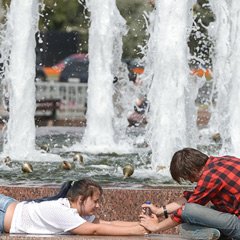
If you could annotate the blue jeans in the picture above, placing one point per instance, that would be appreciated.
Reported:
(200, 216)
(4, 203)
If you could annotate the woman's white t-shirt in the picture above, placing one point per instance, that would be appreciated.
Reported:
(47, 217)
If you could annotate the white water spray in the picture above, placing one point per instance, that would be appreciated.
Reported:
(168, 53)
(222, 70)
(19, 45)
(235, 63)
(225, 118)
(105, 50)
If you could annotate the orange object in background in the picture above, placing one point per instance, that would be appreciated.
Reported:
(198, 72)
(55, 70)
(207, 73)
(138, 70)
(52, 71)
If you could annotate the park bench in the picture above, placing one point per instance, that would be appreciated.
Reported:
(46, 109)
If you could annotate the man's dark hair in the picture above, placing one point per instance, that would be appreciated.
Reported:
(187, 163)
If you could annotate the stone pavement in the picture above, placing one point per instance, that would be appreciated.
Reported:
(77, 237)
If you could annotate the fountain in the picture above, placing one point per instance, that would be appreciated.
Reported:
(63, 143)
(104, 152)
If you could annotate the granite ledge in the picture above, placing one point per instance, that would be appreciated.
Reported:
(115, 204)
(75, 237)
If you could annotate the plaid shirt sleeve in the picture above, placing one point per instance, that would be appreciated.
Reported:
(206, 189)
(187, 194)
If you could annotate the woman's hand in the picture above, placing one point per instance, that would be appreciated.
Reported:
(142, 230)
(149, 222)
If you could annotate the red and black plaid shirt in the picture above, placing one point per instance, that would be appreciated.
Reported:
(220, 184)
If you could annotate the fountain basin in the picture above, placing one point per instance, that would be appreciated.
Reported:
(105, 168)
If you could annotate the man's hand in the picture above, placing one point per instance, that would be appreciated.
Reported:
(149, 222)
(154, 209)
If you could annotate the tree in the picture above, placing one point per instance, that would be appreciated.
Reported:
(72, 15)
(200, 43)
(133, 12)
(66, 15)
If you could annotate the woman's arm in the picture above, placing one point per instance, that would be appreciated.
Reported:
(108, 229)
(119, 223)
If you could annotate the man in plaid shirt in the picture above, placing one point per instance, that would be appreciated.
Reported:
(218, 185)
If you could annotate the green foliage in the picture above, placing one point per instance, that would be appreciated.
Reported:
(66, 15)
(200, 43)
(72, 15)
(5, 2)
(69, 15)
(61, 15)
(133, 12)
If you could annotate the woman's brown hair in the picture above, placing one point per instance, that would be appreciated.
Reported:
(73, 189)
(186, 164)
(84, 187)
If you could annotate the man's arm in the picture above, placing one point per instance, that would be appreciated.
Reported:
(171, 207)
(152, 224)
